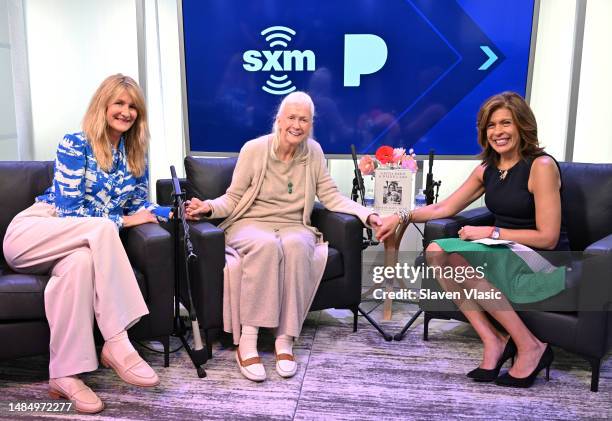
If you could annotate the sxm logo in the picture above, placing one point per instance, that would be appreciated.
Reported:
(278, 60)
(364, 54)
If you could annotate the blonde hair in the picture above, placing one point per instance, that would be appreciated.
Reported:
(300, 98)
(95, 125)
(523, 118)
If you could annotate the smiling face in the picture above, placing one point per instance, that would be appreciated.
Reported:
(502, 132)
(294, 124)
(121, 114)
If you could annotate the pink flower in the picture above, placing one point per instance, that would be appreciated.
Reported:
(408, 162)
(367, 165)
(398, 154)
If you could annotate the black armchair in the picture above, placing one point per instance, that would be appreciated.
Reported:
(340, 287)
(23, 327)
(587, 215)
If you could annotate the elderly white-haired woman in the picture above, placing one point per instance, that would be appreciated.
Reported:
(275, 257)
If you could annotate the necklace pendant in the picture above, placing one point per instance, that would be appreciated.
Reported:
(503, 174)
(290, 187)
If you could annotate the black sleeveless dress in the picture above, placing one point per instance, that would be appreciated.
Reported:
(523, 274)
(511, 202)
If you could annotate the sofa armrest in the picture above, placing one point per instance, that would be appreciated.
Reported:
(344, 233)
(448, 227)
(341, 230)
(146, 244)
(595, 304)
(151, 251)
(207, 273)
(600, 247)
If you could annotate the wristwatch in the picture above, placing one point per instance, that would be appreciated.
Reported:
(495, 233)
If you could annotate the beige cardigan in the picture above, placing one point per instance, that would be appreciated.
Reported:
(249, 175)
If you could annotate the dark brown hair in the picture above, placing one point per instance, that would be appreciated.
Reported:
(523, 119)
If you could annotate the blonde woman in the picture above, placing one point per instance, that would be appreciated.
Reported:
(72, 233)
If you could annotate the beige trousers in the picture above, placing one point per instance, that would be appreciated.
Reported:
(271, 276)
(91, 276)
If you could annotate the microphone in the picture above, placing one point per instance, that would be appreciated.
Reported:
(358, 176)
(429, 184)
(358, 185)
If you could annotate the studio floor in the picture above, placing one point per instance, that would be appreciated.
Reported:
(342, 375)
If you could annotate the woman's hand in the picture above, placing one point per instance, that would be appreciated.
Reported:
(195, 208)
(387, 228)
(470, 232)
(374, 221)
(141, 217)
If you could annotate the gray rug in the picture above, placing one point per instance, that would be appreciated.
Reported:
(342, 375)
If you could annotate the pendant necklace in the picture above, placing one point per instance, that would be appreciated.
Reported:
(503, 174)
(290, 187)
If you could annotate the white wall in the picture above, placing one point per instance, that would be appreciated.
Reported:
(593, 134)
(164, 89)
(552, 72)
(8, 127)
(72, 46)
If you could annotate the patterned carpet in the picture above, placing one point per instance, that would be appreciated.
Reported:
(342, 375)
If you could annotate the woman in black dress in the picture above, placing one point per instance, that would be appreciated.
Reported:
(522, 188)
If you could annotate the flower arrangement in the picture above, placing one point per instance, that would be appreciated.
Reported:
(388, 158)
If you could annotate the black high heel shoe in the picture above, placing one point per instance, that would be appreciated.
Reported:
(545, 361)
(488, 375)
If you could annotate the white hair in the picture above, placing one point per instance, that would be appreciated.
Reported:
(301, 98)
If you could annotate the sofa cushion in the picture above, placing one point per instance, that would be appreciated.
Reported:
(22, 296)
(586, 202)
(20, 183)
(208, 178)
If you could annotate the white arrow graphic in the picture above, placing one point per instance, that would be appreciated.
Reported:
(492, 57)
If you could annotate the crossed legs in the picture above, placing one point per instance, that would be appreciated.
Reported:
(91, 277)
(530, 348)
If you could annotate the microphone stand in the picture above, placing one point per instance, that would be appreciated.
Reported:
(199, 355)
(430, 197)
(359, 189)
(430, 184)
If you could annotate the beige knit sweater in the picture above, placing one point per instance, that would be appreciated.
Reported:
(249, 175)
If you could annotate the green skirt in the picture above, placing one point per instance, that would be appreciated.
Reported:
(513, 272)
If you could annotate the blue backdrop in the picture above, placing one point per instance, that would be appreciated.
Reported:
(423, 68)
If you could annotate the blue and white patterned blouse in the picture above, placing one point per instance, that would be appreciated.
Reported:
(81, 188)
